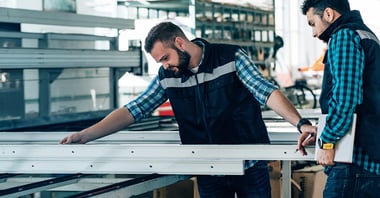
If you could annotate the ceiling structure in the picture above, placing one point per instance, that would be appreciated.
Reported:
(182, 5)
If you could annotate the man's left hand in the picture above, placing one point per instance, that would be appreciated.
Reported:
(326, 157)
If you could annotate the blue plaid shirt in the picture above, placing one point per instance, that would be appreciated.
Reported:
(346, 59)
(246, 71)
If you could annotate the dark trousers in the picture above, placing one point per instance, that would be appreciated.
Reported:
(254, 183)
(348, 180)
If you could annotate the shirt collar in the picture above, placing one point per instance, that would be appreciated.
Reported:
(350, 17)
(191, 72)
(202, 45)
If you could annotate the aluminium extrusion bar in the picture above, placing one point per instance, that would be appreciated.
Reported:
(40, 186)
(57, 58)
(101, 160)
(120, 137)
(123, 137)
(6, 176)
(12, 15)
(162, 158)
(140, 158)
(285, 152)
(90, 187)
(26, 35)
(305, 113)
(56, 36)
(279, 133)
(132, 187)
(83, 184)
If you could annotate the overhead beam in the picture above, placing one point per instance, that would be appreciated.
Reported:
(64, 58)
(12, 15)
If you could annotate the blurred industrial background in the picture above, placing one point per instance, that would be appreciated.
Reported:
(65, 64)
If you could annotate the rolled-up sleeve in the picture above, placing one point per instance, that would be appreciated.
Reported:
(148, 101)
(252, 78)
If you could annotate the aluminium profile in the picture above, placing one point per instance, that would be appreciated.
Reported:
(140, 158)
(66, 58)
(12, 15)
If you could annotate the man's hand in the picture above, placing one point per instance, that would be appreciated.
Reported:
(75, 138)
(307, 137)
(325, 157)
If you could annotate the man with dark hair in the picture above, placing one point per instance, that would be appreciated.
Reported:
(351, 84)
(215, 91)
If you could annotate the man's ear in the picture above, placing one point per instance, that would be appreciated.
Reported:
(179, 43)
(330, 15)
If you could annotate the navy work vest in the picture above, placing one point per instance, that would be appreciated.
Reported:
(212, 106)
(368, 120)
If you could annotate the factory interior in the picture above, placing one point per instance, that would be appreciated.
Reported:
(67, 64)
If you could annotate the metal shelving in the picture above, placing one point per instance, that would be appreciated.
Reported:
(47, 76)
(252, 28)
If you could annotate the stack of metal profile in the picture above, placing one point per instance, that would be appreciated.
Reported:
(158, 155)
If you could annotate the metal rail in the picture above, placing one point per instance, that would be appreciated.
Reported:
(142, 152)
(64, 58)
(140, 158)
(87, 185)
(12, 15)
(40, 186)
(132, 187)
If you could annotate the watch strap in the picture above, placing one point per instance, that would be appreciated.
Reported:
(302, 122)
(325, 146)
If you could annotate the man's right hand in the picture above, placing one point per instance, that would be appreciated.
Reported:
(308, 137)
(75, 138)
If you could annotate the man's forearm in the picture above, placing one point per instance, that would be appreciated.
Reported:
(115, 121)
(281, 105)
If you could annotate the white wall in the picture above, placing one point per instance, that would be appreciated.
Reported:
(8, 3)
(300, 48)
(369, 9)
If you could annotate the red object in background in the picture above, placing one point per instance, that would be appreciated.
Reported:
(165, 109)
(317, 66)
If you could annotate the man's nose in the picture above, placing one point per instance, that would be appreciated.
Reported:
(314, 34)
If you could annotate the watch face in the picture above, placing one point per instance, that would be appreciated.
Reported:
(320, 143)
(325, 146)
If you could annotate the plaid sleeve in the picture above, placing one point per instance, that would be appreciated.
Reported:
(252, 78)
(346, 60)
(148, 101)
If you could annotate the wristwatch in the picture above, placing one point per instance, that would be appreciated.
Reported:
(302, 122)
(325, 146)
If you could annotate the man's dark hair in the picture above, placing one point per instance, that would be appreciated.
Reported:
(341, 6)
(164, 32)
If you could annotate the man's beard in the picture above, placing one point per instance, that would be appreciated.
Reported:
(183, 61)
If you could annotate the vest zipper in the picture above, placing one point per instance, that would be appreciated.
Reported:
(203, 110)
